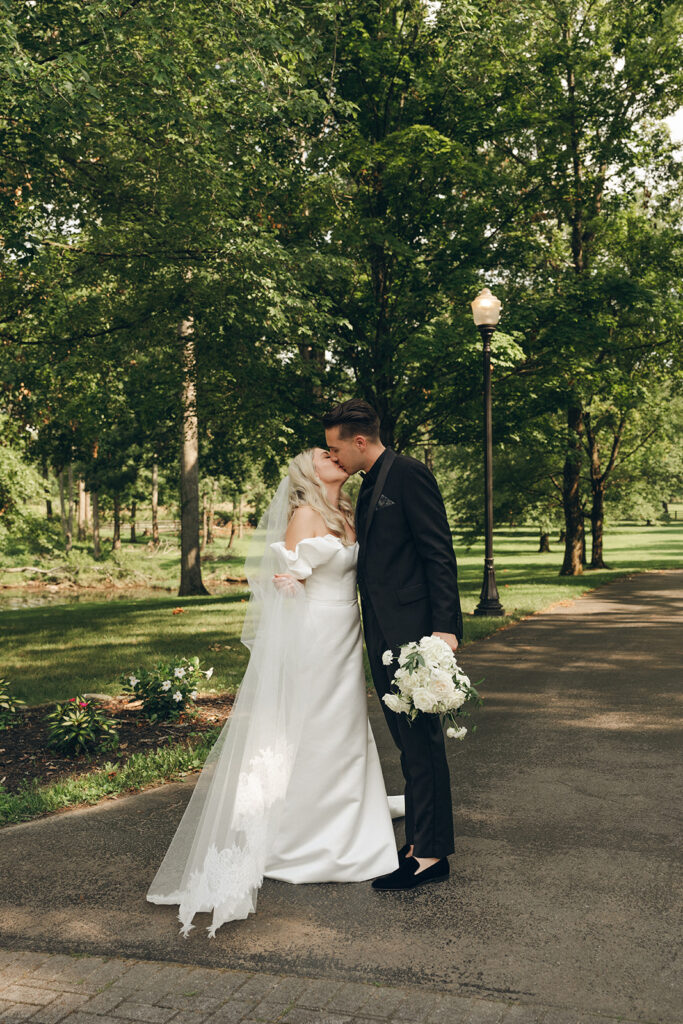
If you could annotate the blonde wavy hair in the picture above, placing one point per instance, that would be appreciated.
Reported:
(306, 488)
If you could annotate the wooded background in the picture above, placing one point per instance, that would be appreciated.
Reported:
(217, 219)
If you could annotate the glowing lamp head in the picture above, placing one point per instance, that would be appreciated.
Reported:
(486, 309)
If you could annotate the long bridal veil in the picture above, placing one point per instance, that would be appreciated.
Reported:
(215, 862)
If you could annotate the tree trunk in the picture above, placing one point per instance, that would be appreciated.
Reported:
(544, 542)
(62, 502)
(81, 509)
(232, 524)
(571, 495)
(239, 519)
(597, 524)
(212, 503)
(429, 456)
(95, 524)
(190, 562)
(116, 542)
(48, 501)
(63, 513)
(70, 495)
(205, 520)
(133, 513)
(155, 503)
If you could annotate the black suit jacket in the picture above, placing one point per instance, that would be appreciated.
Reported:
(406, 564)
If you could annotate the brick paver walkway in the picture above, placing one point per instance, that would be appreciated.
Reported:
(54, 988)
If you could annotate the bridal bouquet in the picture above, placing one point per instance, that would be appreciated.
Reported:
(430, 680)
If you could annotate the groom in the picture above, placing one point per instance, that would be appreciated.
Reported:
(407, 577)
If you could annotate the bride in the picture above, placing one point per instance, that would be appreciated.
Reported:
(293, 787)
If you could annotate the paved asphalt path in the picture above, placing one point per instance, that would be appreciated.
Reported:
(564, 888)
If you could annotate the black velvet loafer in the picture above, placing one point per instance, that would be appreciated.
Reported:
(403, 852)
(405, 877)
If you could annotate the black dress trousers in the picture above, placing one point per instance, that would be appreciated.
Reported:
(429, 810)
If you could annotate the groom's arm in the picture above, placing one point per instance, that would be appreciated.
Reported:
(426, 514)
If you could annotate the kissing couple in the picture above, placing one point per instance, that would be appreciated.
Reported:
(293, 787)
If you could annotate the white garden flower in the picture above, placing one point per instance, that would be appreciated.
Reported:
(421, 676)
(133, 680)
(166, 685)
(441, 684)
(387, 658)
(456, 734)
(404, 681)
(406, 651)
(456, 700)
(423, 699)
(179, 673)
(393, 702)
(208, 673)
(177, 695)
(194, 695)
(434, 646)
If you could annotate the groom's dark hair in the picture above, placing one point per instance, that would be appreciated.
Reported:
(353, 417)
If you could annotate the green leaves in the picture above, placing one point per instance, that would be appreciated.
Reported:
(77, 726)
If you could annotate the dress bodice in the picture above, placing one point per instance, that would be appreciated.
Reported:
(327, 565)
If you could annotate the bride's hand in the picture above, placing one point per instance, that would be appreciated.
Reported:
(287, 583)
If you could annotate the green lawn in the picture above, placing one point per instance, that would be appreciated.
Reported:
(56, 650)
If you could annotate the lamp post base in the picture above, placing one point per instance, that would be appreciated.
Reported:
(489, 603)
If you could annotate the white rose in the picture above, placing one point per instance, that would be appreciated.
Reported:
(177, 695)
(438, 652)
(421, 676)
(441, 685)
(457, 700)
(387, 658)
(394, 702)
(404, 681)
(208, 673)
(406, 651)
(166, 685)
(423, 699)
(179, 673)
(461, 676)
(456, 734)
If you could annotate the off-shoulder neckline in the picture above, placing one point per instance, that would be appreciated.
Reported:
(332, 536)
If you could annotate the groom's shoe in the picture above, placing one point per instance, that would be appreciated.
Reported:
(405, 877)
(403, 852)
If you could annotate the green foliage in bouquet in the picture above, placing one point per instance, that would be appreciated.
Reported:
(168, 689)
(78, 726)
(9, 705)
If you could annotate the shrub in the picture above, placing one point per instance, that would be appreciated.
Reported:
(168, 689)
(78, 726)
(9, 705)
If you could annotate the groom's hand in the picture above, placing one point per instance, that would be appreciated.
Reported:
(450, 638)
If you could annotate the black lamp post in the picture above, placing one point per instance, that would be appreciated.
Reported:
(486, 313)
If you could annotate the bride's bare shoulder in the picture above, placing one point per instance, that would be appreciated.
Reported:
(304, 522)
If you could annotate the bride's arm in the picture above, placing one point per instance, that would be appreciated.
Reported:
(305, 522)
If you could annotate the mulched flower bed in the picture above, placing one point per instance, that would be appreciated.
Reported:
(25, 756)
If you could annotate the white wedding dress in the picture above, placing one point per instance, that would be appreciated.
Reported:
(336, 821)
(293, 787)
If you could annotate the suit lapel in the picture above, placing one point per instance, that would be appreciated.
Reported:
(387, 461)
